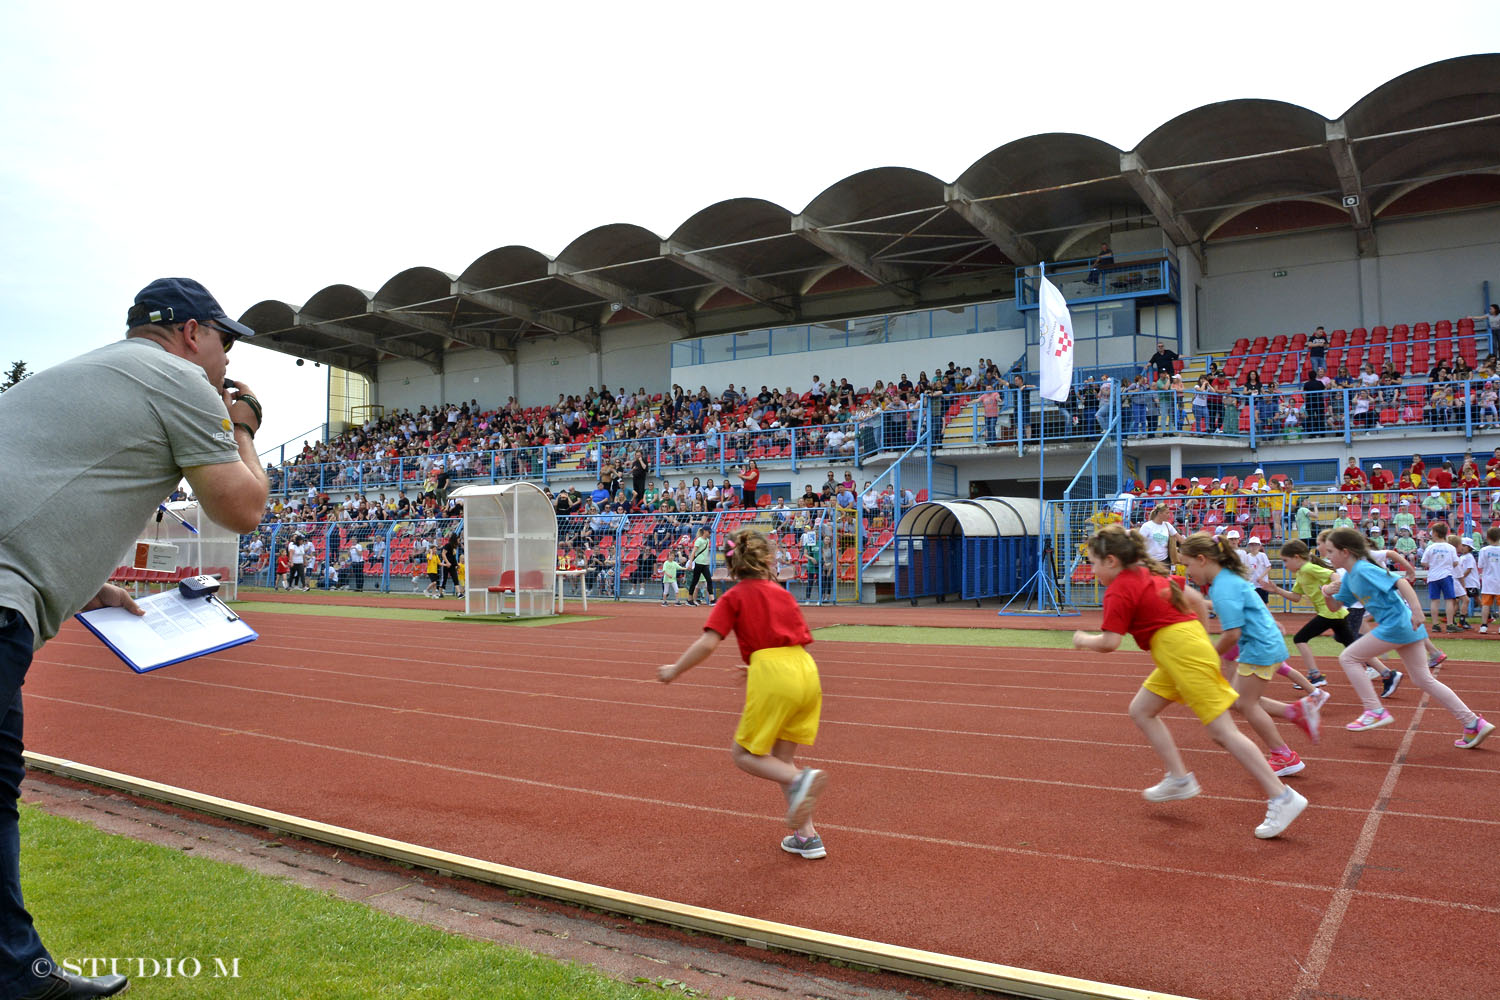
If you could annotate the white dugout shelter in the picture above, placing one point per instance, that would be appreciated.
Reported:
(203, 546)
(510, 548)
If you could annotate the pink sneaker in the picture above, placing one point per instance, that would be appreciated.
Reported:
(1371, 720)
(1306, 717)
(1285, 764)
(1472, 737)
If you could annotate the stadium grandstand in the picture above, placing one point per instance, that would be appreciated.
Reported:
(1280, 320)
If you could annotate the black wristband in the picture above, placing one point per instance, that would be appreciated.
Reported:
(248, 429)
(254, 405)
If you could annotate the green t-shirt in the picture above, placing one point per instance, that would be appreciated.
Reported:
(1406, 544)
(1404, 520)
(1304, 523)
(669, 570)
(1311, 578)
(700, 551)
(1343, 522)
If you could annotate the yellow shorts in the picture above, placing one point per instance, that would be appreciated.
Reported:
(1265, 672)
(782, 700)
(1187, 670)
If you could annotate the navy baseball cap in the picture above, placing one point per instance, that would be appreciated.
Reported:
(177, 300)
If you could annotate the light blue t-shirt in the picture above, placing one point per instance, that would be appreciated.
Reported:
(1238, 606)
(1376, 589)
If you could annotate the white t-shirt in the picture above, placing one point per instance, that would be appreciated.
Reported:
(1466, 571)
(1156, 536)
(299, 553)
(1259, 565)
(1489, 569)
(1439, 560)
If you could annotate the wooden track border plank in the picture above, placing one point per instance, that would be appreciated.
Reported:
(859, 951)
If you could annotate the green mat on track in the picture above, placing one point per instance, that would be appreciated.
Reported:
(438, 614)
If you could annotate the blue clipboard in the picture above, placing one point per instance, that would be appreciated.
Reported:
(175, 628)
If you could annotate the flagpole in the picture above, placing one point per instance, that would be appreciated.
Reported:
(1046, 596)
(1041, 461)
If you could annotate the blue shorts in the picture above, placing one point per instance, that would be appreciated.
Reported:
(1440, 590)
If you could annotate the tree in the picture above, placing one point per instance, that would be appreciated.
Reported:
(17, 373)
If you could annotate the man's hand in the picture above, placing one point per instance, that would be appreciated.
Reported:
(248, 413)
(110, 596)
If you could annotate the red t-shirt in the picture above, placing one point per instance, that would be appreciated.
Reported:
(762, 615)
(1442, 477)
(750, 478)
(1355, 474)
(1493, 463)
(1138, 602)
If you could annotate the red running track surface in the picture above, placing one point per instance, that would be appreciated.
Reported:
(982, 802)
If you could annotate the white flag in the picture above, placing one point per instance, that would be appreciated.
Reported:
(1056, 344)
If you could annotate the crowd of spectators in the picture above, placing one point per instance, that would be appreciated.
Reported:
(1395, 509)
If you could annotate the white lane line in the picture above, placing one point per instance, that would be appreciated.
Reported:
(757, 816)
(1321, 949)
(716, 749)
(653, 705)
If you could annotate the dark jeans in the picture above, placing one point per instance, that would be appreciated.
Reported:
(20, 948)
(357, 575)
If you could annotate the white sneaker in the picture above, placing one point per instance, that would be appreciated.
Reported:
(802, 796)
(1280, 812)
(1170, 789)
(1371, 673)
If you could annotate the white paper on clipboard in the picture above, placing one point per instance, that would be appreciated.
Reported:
(175, 628)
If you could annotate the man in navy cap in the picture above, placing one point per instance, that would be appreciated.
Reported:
(105, 438)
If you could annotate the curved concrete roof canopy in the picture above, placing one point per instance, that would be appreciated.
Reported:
(907, 239)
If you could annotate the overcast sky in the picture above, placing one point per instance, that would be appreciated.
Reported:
(271, 149)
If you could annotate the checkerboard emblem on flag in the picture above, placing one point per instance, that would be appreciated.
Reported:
(1056, 344)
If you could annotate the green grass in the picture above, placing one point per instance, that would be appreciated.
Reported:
(441, 613)
(95, 894)
(1062, 638)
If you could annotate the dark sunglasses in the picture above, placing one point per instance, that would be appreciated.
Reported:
(226, 337)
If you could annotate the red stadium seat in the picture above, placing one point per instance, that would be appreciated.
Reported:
(1338, 338)
(1358, 335)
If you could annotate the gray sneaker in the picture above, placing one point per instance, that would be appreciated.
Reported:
(802, 796)
(1280, 812)
(810, 848)
(1170, 789)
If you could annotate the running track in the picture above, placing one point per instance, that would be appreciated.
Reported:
(982, 802)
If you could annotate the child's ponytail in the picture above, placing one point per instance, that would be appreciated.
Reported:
(1215, 547)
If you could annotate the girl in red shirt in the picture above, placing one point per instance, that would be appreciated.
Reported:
(1141, 600)
(783, 697)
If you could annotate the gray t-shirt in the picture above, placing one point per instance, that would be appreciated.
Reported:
(89, 448)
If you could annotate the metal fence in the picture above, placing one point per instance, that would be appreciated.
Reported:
(719, 453)
(391, 556)
(621, 555)
(1276, 516)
